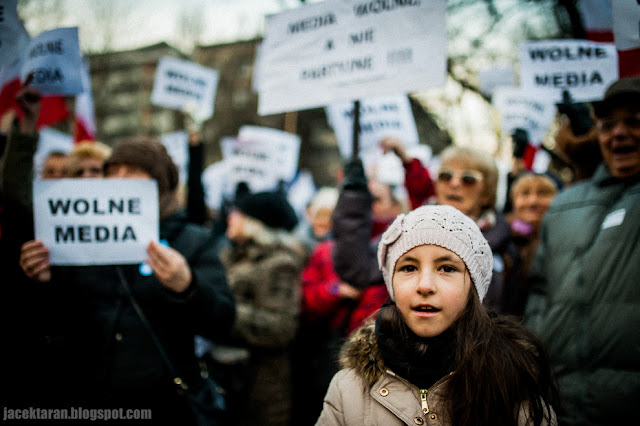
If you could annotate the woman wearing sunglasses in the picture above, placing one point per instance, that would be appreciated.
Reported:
(468, 180)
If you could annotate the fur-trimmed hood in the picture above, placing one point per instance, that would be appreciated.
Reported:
(361, 353)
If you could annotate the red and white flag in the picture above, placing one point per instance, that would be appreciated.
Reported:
(617, 22)
(84, 127)
(53, 109)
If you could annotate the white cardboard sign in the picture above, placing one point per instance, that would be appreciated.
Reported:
(54, 59)
(379, 117)
(11, 31)
(582, 67)
(530, 110)
(340, 50)
(177, 145)
(185, 86)
(285, 147)
(96, 221)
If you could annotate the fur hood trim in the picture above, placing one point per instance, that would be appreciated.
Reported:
(360, 353)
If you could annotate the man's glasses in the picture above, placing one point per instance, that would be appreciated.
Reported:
(467, 177)
(606, 125)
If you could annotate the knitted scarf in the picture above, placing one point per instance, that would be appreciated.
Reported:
(403, 358)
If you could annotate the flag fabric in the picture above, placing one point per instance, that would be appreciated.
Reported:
(614, 22)
(84, 127)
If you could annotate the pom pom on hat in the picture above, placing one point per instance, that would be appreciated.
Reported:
(444, 226)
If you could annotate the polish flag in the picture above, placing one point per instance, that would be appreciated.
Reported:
(615, 22)
(53, 109)
(84, 124)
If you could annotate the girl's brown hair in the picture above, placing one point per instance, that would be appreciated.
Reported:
(500, 367)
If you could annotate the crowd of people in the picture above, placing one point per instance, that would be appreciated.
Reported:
(425, 304)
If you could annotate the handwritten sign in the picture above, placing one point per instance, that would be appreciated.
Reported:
(261, 157)
(340, 50)
(11, 32)
(185, 86)
(584, 68)
(529, 110)
(285, 146)
(54, 59)
(495, 77)
(96, 221)
(177, 144)
(379, 117)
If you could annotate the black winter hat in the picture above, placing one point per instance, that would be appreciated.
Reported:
(270, 208)
(150, 155)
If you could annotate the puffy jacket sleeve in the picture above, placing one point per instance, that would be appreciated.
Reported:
(354, 255)
(339, 395)
(319, 284)
(418, 183)
(537, 301)
(209, 301)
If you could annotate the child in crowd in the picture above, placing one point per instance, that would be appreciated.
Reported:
(434, 354)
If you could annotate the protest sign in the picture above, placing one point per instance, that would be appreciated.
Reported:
(96, 221)
(379, 117)
(185, 86)
(495, 77)
(54, 59)
(216, 186)
(531, 110)
(11, 32)
(261, 157)
(584, 68)
(340, 50)
(177, 145)
(285, 146)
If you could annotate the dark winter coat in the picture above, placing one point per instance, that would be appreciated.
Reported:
(585, 298)
(112, 358)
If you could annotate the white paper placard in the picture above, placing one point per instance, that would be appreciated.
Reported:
(96, 221)
(252, 162)
(54, 59)
(530, 110)
(582, 67)
(11, 32)
(177, 144)
(285, 148)
(379, 117)
(340, 50)
(185, 86)
(496, 77)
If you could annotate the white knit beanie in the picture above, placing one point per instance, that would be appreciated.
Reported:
(444, 226)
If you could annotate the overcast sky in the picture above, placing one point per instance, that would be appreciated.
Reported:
(143, 22)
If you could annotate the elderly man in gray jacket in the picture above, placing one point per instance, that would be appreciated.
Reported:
(585, 300)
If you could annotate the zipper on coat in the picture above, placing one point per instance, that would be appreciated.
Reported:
(423, 399)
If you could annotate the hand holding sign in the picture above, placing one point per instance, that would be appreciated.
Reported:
(34, 261)
(169, 266)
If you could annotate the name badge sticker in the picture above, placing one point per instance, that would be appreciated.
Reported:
(614, 218)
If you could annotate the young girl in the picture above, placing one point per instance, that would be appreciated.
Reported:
(434, 355)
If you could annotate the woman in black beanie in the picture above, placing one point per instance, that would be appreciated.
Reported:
(264, 262)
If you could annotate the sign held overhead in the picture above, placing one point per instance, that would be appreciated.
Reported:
(342, 50)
